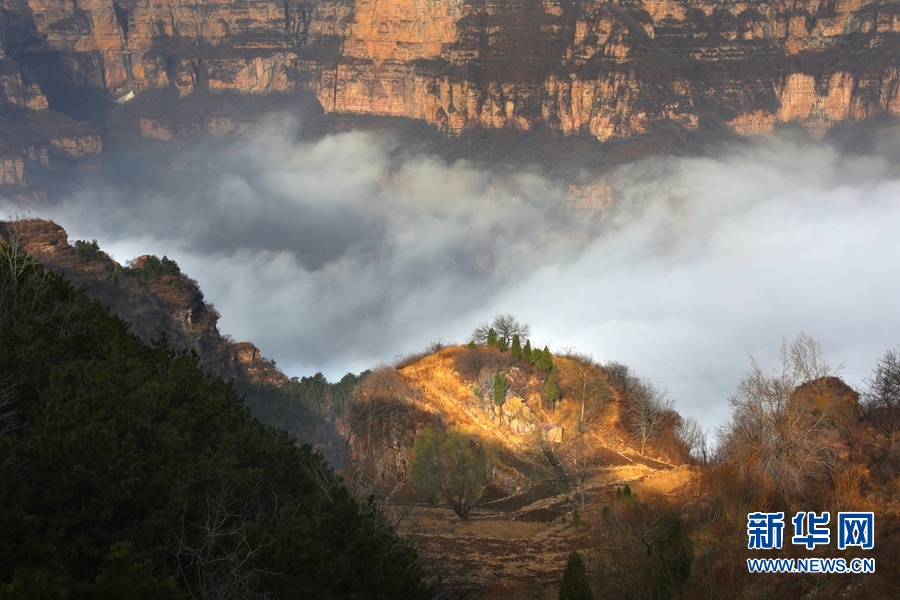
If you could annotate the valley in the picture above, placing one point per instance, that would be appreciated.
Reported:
(580, 456)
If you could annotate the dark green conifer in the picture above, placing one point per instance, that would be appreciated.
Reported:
(526, 351)
(546, 361)
(551, 388)
(499, 388)
(104, 492)
(574, 585)
(516, 348)
(491, 338)
(673, 555)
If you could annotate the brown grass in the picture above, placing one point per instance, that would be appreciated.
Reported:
(516, 547)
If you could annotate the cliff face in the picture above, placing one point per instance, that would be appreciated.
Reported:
(616, 69)
(603, 69)
(254, 46)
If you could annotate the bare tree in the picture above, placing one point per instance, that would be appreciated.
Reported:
(882, 396)
(471, 363)
(381, 425)
(691, 440)
(217, 548)
(648, 411)
(22, 280)
(505, 326)
(8, 413)
(578, 455)
(583, 381)
(774, 431)
(618, 373)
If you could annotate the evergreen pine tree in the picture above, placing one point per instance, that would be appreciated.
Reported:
(516, 348)
(499, 388)
(574, 585)
(492, 338)
(536, 357)
(526, 351)
(551, 388)
(159, 449)
(545, 363)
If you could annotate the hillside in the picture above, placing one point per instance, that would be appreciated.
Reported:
(156, 298)
(126, 472)
(561, 453)
(554, 460)
(800, 439)
(151, 294)
(520, 532)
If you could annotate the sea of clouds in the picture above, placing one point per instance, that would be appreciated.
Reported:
(343, 253)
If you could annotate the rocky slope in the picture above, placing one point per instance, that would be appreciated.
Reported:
(536, 440)
(601, 69)
(155, 298)
(152, 302)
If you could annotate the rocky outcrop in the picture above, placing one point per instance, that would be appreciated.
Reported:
(15, 91)
(152, 302)
(130, 45)
(77, 145)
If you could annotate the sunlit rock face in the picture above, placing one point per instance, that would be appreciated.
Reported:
(602, 69)
(616, 69)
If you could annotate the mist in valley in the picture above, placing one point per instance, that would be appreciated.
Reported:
(339, 254)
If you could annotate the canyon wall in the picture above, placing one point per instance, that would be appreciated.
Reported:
(602, 69)
(618, 69)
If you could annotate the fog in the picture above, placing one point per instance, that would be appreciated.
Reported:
(340, 254)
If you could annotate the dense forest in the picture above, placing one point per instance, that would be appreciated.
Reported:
(126, 472)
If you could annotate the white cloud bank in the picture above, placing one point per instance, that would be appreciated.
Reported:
(338, 255)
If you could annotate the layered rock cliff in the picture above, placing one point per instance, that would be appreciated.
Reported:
(602, 69)
(617, 69)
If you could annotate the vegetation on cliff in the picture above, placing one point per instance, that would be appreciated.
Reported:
(154, 296)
